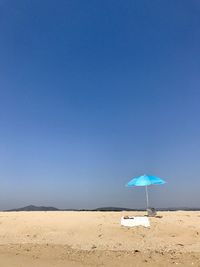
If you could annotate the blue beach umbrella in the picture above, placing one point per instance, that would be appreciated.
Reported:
(145, 180)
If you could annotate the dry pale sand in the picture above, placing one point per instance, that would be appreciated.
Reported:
(96, 239)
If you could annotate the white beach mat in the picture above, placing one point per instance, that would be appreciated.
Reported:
(135, 221)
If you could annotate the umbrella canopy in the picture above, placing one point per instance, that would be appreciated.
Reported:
(145, 180)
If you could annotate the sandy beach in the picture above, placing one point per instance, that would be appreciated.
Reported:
(97, 239)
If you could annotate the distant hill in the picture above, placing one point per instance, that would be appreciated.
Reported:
(35, 208)
(158, 209)
(43, 208)
(113, 209)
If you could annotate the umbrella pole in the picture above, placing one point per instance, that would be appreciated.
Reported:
(147, 197)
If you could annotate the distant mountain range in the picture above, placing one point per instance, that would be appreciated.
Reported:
(34, 208)
(43, 208)
(158, 209)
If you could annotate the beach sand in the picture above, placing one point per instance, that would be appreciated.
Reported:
(96, 239)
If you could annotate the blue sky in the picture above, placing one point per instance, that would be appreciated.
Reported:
(93, 93)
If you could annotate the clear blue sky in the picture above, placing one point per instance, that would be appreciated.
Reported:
(93, 93)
